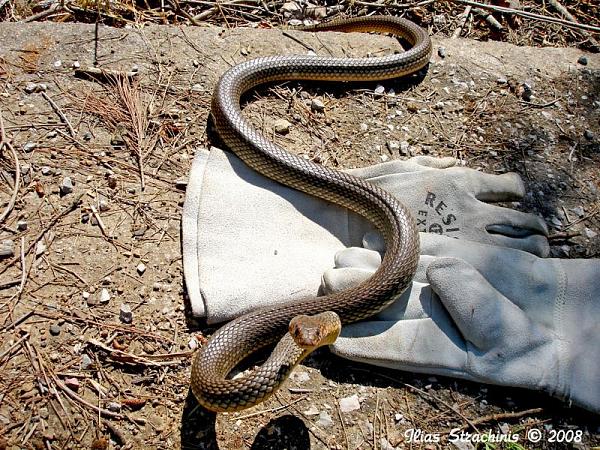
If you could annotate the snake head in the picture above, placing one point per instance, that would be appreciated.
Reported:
(310, 332)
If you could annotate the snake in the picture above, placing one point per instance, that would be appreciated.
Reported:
(298, 327)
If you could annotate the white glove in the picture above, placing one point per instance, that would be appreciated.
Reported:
(249, 241)
(484, 313)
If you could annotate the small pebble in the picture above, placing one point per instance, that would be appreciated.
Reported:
(442, 52)
(317, 105)
(527, 92)
(141, 268)
(197, 88)
(29, 146)
(181, 183)
(54, 329)
(72, 383)
(405, 148)
(193, 344)
(311, 411)
(7, 248)
(113, 406)
(379, 90)
(66, 187)
(578, 210)
(76, 65)
(87, 136)
(21, 225)
(47, 171)
(393, 146)
(104, 295)
(588, 135)
(282, 126)
(86, 362)
(325, 420)
(103, 205)
(31, 88)
(57, 63)
(44, 413)
(589, 233)
(501, 80)
(40, 248)
(583, 60)
(125, 313)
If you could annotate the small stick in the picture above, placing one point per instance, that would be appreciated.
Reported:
(23, 265)
(58, 111)
(100, 222)
(563, 236)
(462, 22)
(503, 416)
(121, 356)
(5, 143)
(295, 39)
(118, 434)
(339, 411)
(489, 18)
(41, 15)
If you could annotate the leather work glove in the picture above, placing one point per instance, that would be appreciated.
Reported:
(483, 313)
(249, 241)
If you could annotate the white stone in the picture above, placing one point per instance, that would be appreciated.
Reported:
(325, 420)
(104, 295)
(348, 404)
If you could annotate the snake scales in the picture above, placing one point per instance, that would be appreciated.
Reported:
(245, 335)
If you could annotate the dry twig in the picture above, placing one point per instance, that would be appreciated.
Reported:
(5, 143)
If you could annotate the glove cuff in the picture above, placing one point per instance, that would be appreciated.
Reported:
(576, 313)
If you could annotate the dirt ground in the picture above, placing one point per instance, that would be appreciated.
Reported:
(75, 374)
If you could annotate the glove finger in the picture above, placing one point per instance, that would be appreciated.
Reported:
(358, 258)
(415, 345)
(398, 166)
(496, 188)
(387, 168)
(434, 163)
(534, 244)
(337, 280)
(483, 315)
(513, 223)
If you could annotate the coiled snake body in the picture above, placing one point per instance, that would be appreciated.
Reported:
(245, 335)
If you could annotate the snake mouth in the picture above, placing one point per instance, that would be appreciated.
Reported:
(310, 332)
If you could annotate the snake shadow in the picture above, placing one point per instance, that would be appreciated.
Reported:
(198, 431)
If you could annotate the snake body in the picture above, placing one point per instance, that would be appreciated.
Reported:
(243, 336)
